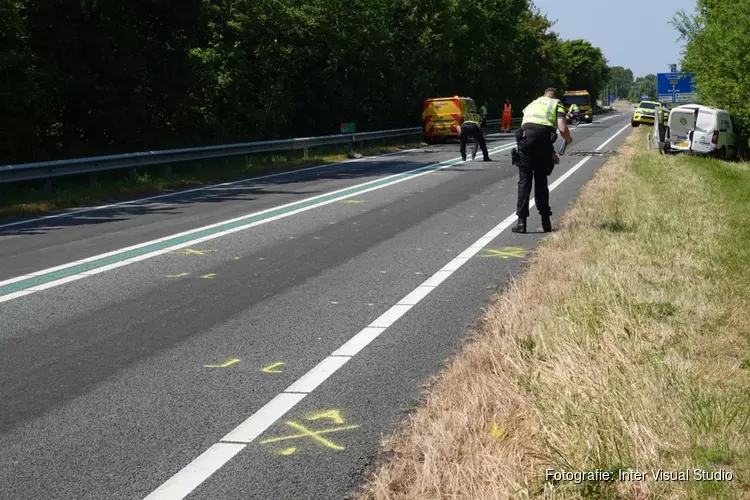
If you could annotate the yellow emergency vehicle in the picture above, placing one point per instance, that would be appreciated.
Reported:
(582, 99)
(442, 117)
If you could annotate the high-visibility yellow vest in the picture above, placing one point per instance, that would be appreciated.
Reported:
(470, 121)
(543, 111)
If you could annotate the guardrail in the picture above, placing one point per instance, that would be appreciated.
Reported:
(58, 168)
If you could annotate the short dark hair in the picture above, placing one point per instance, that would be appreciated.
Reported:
(552, 91)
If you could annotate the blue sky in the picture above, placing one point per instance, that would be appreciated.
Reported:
(636, 34)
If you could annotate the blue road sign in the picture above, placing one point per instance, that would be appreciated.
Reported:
(611, 98)
(675, 87)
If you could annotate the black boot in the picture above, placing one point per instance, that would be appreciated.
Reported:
(546, 224)
(520, 226)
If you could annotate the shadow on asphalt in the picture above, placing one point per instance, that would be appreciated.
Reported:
(247, 190)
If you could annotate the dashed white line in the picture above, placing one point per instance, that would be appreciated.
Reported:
(184, 482)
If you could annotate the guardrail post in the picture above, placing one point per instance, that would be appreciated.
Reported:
(47, 189)
(305, 153)
(94, 181)
(133, 174)
(197, 165)
(247, 160)
(168, 170)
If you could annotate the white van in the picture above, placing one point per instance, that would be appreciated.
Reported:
(701, 130)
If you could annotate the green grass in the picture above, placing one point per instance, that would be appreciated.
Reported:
(624, 345)
(25, 198)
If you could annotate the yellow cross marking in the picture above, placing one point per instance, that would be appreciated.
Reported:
(271, 368)
(315, 435)
(190, 251)
(177, 275)
(505, 252)
(223, 365)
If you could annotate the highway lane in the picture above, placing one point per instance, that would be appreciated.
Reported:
(105, 389)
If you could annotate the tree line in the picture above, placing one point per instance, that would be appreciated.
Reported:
(717, 51)
(87, 77)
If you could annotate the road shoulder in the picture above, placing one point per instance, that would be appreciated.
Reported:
(623, 348)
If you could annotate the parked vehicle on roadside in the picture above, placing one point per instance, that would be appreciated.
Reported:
(701, 130)
(644, 113)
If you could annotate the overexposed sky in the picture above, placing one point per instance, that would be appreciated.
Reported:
(635, 34)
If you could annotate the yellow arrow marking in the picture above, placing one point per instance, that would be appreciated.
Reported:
(505, 252)
(223, 365)
(177, 275)
(190, 251)
(208, 276)
(270, 368)
(334, 415)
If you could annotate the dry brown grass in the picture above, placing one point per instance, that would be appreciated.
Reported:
(623, 346)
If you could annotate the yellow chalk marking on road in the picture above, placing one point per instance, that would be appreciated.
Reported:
(333, 302)
(236, 258)
(223, 365)
(505, 252)
(177, 275)
(209, 276)
(352, 201)
(261, 258)
(272, 368)
(316, 435)
(192, 251)
(334, 415)
(316, 237)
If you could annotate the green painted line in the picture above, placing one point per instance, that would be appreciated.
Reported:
(42, 279)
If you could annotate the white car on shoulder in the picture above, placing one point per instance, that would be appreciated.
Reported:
(701, 130)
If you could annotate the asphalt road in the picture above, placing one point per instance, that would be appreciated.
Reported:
(128, 374)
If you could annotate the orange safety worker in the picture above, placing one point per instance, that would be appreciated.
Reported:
(507, 112)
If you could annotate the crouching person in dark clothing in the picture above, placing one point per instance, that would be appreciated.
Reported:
(535, 155)
(471, 130)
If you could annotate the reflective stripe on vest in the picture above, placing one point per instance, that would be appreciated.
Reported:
(543, 111)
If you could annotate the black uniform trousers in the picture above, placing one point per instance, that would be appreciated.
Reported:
(536, 163)
(472, 131)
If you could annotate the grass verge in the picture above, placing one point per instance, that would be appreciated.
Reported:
(27, 198)
(624, 346)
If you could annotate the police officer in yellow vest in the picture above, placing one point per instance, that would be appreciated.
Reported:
(535, 155)
(471, 129)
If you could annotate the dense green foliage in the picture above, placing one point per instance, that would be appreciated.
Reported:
(620, 81)
(718, 52)
(586, 66)
(86, 77)
(643, 85)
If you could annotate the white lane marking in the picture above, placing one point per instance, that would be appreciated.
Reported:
(260, 421)
(312, 379)
(264, 418)
(51, 284)
(210, 187)
(189, 478)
